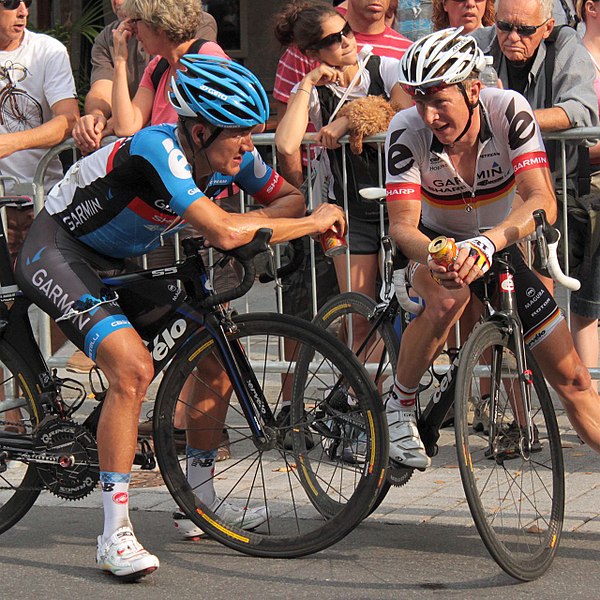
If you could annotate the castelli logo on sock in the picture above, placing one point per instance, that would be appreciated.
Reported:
(120, 498)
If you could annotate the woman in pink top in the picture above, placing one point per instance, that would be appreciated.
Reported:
(165, 29)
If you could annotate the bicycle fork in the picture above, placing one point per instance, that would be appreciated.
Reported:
(521, 398)
(252, 400)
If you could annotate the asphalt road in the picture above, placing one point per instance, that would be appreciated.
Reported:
(50, 555)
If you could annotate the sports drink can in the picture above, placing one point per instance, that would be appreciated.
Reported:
(333, 243)
(443, 250)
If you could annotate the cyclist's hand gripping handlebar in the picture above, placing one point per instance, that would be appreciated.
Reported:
(547, 238)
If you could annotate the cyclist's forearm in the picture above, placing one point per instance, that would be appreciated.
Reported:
(411, 242)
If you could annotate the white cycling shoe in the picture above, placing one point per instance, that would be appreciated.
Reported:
(244, 518)
(123, 556)
(406, 447)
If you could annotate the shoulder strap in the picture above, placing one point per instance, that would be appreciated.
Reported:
(376, 87)
(163, 64)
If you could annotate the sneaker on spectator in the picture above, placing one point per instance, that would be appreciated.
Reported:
(508, 443)
(406, 447)
(80, 363)
(481, 415)
(123, 556)
(283, 421)
(245, 518)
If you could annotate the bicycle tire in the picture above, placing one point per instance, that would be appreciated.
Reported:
(333, 316)
(20, 485)
(307, 513)
(516, 498)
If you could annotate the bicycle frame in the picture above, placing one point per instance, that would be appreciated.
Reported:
(187, 321)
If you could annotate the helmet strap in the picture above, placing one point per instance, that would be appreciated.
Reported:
(471, 108)
(211, 138)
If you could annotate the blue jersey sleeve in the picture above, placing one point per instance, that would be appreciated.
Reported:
(258, 179)
(167, 168)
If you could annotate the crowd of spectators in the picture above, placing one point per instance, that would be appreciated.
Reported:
(535, 48)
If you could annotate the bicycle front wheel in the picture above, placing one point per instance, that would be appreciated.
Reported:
(515, 489)
(20, 413)
(299, 477)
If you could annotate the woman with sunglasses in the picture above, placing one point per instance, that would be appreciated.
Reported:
(470, 14)
(323, 35)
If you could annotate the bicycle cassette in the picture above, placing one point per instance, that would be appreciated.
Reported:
(66, 458)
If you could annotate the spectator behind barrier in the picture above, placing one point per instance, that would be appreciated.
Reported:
(39, 117)
(470, 14)
(549, 67)
(92, 127)
(367, 20)
(321, 33)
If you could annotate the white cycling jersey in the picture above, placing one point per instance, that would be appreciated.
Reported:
(419, 168)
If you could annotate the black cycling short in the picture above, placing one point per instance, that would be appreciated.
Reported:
(55, 270)
(537, 309)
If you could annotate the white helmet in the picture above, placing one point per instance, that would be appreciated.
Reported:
(438, 60)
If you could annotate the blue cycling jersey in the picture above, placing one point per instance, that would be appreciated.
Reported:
(123, 198)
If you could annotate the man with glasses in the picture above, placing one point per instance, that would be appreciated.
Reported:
(550, 68)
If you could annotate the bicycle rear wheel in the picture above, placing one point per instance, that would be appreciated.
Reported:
(312, 497)
(516, 496)
(340, 316)
(20, 412)
(352, 311)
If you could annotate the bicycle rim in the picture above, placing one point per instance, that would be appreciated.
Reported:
(516, 497)
(349, 317)
(311, 494)
(20, 412)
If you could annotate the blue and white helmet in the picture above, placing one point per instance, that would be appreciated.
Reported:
(222, 92)
(438, 60)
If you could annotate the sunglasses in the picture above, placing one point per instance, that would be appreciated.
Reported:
(14, 4)
(334, 38)
(523, 30)
(416, 90)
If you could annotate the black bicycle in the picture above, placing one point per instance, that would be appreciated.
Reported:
(220, 371)
(507, 437)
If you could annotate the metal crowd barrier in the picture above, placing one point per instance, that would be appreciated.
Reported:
(267, 143)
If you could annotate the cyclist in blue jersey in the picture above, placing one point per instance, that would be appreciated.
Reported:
(118, 203)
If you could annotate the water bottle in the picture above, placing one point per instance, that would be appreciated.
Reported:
(488, 77)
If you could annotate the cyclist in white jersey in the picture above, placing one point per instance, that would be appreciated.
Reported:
(455, 162)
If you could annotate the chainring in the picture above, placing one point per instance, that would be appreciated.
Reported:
(66, 458)
(397, 475)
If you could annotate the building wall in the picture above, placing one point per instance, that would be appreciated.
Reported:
(263, 50)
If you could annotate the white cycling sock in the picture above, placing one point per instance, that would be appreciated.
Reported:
(200, 472)
(115, 499)
(401, 398)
